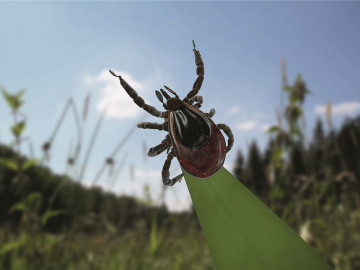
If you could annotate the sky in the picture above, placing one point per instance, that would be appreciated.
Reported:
(62, 50)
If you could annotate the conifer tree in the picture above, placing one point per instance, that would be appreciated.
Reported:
(239, 166)
(254, 174)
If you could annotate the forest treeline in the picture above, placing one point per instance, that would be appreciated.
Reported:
(331, 160)
(88, 208)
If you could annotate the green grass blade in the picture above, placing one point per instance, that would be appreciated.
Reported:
(243, 233)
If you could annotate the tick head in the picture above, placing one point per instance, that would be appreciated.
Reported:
(174, 104)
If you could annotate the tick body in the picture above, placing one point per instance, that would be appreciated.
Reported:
(192, 137)
(198, 143)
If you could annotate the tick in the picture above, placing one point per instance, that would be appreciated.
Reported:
(193, 138)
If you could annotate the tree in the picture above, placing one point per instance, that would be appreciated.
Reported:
(254, 173)
(239, 166)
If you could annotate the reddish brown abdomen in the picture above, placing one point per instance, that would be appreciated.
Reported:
(200, 162)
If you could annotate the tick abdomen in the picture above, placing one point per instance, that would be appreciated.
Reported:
(191, 129)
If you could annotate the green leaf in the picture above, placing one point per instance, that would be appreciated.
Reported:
(31, 203)
(20, 206)
(276, 193)
(295, 131)
(18, 128)
(29, 163)
(14, 245)
(288, 88)
(242, 232)
(277, 153)
(50, 214)
(276, 157)
(9, 99)
(156, 237)
(19, 94)
(294, 97)
(50, 241)
(13, 100)
(9, 163)
(273, 129)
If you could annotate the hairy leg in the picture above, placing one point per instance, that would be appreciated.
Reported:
(165, 171)
(200, 71)
(148, 125)
(137, 99)
(211, 113)
(228, 132)
(156, 150)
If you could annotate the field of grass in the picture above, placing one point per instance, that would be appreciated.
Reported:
(312, 185)
(137, 248)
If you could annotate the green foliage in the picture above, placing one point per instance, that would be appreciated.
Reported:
(316, 190)
(276, 157)
(314, 187)
(274, 129)
(16, 164)
(286, 135)
(51, 214)
(156, 237)
(14, 101)
(18, 128)
(14, 245)
(29, 163)
(30, 204)
(9, 164)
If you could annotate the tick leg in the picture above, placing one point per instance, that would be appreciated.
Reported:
(165, 171)
(211, 113)
(200, 72)
(198, 99)
(148, 125)
(156, 150)
(137, 99)
(228, 133)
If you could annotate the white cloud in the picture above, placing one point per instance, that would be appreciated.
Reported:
(344, 108)
(248, 125)
(227, 166)
(265, 127)
(176, 204)
(234, 110)
(117, 102)
(147, 174)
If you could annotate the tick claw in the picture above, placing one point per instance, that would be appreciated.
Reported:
(113, 73)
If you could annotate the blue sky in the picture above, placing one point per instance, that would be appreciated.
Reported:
(63, 49)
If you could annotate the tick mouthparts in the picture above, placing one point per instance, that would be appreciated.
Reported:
(171, 91)
(165, 94)
(113, 73)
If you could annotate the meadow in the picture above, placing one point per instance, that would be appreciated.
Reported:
(313, 184)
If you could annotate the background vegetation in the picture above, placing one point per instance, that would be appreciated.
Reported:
(50, 221)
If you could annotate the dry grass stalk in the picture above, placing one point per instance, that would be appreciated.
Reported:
(328, 114)
(47, 145)
(116, 150)
(86, 106)
(283, 72)
(117, 172)
(91, 144)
